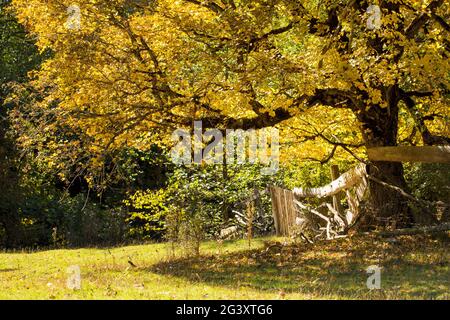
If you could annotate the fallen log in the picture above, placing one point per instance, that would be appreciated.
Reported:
(413, 231)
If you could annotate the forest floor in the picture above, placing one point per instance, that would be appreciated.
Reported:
(411, 268)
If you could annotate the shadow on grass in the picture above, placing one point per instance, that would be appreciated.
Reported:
(410, 269)
(9, 270)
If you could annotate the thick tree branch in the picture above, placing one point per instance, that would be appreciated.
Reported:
(211, 5)
(441, 21)
(427, 137)
(422, 19)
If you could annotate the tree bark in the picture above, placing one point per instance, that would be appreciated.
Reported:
(385, 207)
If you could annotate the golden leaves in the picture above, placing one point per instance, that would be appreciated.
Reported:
(129, 70)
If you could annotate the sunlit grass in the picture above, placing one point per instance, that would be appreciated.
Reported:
(411, 268)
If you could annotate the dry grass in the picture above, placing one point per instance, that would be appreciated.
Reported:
(412, 268)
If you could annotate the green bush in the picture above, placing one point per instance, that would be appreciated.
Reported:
(201, 200)
(429, 181)
(48, 220)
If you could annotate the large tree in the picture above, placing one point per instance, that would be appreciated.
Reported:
(122, 69)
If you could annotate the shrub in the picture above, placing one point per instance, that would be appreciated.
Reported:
(429, 181)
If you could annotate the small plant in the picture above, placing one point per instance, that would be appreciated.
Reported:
(191, 235)
(173, 225)
(250, 218)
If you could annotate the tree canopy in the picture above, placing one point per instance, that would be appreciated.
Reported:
(135, 70)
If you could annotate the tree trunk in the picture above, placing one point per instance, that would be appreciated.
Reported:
(385, 207)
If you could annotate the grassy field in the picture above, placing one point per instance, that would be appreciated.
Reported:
(411, 269)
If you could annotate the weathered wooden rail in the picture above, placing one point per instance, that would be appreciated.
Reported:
(430, 154)
(345, 181)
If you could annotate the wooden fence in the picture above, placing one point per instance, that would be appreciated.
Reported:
(289, 211)
(283, 209)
